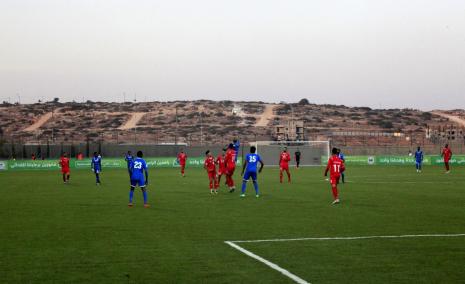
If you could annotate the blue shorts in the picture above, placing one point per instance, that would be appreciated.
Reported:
(138, 181)
(97, 170)
(249, 175)
(418, 163)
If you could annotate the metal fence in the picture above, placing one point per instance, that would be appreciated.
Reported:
(271, 155)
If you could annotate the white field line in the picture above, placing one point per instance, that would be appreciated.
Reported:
(297, 279)
(285, 272)
(405, 182)
(354, 238)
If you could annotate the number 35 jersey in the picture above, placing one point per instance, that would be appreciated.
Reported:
(252, 161)
(137, 167)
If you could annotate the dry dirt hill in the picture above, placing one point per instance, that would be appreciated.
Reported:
(185, 121)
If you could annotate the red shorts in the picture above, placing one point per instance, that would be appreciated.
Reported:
(230, 171)
(211, 175)
(284, 167)
(65, 171)
(221, 172)
(334, 180)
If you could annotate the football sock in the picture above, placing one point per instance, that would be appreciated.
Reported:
(255, 185)
(334, 189)
(280, 176)
(97, 178)
(64, 178)
(343, 177)
(131, 194)
(244, 186)
(144, 193)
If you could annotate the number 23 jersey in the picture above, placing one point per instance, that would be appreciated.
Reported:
(137, 167)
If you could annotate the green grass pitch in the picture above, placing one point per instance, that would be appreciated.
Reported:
(50, 232)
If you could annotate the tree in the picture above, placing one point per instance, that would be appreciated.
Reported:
(304, 102)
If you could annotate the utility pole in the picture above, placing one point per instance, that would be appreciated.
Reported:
(201, 130)
(177, 127)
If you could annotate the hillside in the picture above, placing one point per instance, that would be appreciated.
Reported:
(203, 121)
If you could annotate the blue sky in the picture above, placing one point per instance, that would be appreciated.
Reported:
(371, 53)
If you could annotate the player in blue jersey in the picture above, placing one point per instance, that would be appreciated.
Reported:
(96, 166)
(343, 159)
(236, 146)
(418, 159)
(128, 158)
(249, 170)
(138, 169)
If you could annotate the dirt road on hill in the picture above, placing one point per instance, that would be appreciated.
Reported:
(42, 120)
(266, 116)
(457, 119)
(132, 122)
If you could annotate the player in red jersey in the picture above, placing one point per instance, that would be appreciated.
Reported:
(230, 163)
(447, 155)
(284, 159)
(335, 167)
(64, 164)
(182, 157)
(210, 166)
(221, 166)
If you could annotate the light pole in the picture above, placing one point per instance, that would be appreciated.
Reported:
(177, 126)
(201, 130)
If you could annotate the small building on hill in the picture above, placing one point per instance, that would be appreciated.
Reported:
(446, 132)
(292, 130)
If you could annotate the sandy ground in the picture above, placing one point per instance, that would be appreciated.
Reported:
(132, 122)
(42, 120)
(266, 116)
(453, 118)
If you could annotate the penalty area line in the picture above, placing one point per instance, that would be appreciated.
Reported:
(353, 238)
(297, 279)
(268, 263)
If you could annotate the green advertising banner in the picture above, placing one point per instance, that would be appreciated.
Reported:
(456, 160)
(3, 165)
(400, 160)
(360, 160)
(33, 165)
(170, 162)
(110, 163)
